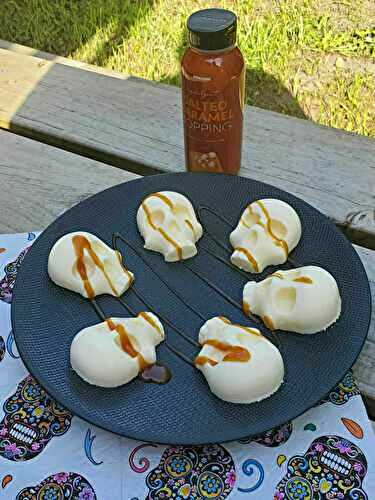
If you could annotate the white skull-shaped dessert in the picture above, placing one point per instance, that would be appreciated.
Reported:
(302, 300)
(112, 353)
(266, 232)
(81, 262)
(239, 363)
(168, 224)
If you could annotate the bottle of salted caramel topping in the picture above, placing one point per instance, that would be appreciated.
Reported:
(213, 88)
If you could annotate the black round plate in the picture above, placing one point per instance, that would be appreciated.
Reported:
(46, 318)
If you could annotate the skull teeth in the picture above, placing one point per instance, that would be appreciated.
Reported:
(336, 463)
(23, 433)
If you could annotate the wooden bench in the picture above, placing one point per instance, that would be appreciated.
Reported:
(85, 121)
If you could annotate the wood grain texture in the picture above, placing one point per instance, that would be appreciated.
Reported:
(137, 125)
(364, 368)
(38, 182)
(40, 54)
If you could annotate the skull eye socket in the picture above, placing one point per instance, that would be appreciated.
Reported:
(173, 227)
(158, 218)
(252, 237)
(285, 299)
(181, 212)
(278, 229)
(251, 218)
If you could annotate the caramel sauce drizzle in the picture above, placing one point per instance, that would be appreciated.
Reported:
(225, 320)
(202, 360)
(233, 353)
(245, 328)
(249, 257)
(242, 220)
(126, 344)
(127, 272)
(279, 242)
(162, 197)
(80, 244)
(268, 322)
(246, 308)
(304, 279)
(158, 374)
(277, 275)
(160, 229)
(188, 223)
(151, 321)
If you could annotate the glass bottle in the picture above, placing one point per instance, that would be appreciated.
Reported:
(213, 88)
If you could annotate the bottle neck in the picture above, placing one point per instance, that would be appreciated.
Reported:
(213, 52)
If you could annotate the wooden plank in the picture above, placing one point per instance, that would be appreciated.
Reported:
(364, 367)
(29, 51)
(136, 125)
(38, 182)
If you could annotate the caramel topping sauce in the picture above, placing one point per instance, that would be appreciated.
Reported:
(158, 374)
(245, 328)
(80, 244)
(277, 275)
(160, 229)
(151, 321)
(162, 197)
(246, 308)
(239, 354)
(202, 360)
(188, 223)
(304, 279)
(268, 322)
(242, 221)
(280, 242)
(249, 257)
(127, 272)
(126, 344)
(233, 353)
(225, 320)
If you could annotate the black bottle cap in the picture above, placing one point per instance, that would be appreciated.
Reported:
(212, 29)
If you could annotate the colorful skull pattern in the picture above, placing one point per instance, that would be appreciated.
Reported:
(31, 420)
(343, 391)
(272, 438)
(195, 472)
(2, 348)
(332, 468)
(7, 283)
(61, 486)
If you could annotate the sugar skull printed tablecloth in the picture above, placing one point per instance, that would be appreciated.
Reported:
(46, 453)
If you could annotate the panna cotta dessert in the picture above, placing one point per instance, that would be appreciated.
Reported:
(112, 353)
(302, 300)
(168, 225)
(266, 233)
(83, 263)
(238, 362)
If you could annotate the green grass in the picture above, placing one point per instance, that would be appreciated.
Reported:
(307, 58)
